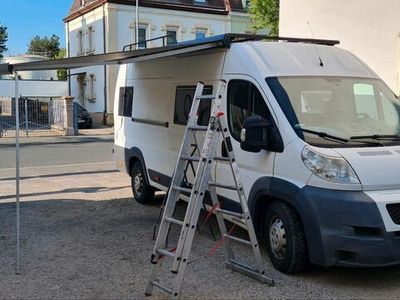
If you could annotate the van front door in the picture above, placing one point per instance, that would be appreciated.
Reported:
(244, 98)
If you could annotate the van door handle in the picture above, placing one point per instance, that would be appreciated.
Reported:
(224, 152)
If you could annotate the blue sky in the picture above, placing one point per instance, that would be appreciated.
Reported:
(28, 18)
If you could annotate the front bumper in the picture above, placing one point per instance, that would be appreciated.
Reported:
(346, 228)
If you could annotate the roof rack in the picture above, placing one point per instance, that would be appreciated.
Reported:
(143, 44)
(238, 37)
(230, 38)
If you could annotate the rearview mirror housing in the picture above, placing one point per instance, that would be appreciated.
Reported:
(255, 134)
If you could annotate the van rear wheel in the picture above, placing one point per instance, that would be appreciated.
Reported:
(286, 242)
(142, 192)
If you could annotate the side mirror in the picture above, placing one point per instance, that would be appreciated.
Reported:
(255, 134)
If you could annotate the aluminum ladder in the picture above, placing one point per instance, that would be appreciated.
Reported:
(202, 182)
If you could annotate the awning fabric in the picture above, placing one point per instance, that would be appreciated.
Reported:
(218, 41)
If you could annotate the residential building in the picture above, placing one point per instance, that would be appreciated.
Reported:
(104, 26)
(368, 28)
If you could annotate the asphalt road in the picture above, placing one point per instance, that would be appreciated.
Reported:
(51, 151)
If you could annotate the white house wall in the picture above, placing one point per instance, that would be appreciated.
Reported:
(34, 88)
(368, 28)
(93, 19)
(157, 20)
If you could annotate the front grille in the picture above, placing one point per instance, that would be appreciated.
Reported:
(394, 212)
(375, 153)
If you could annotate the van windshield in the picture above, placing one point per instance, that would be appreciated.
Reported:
(355, 109)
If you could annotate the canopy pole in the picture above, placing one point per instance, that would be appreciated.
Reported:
(17, 168)
(137, 25)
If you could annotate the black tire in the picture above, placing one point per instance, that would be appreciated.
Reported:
(286, 241)
(142, 192)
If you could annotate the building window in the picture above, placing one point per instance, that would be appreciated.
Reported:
(183, 103)
(172, 36)
(125, 101)
(81, 84)
(90, 39)
(142, 37)
(91, 95)
(200, 34)
(80, 42)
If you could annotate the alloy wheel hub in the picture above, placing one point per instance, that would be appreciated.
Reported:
(137, 182)
(277, 238)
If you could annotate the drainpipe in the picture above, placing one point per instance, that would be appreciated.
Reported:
(105, 68)
(68, 55)
(137, 25)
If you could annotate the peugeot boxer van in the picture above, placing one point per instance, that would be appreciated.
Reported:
(322, 183)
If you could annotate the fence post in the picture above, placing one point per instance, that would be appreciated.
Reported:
(68, 115)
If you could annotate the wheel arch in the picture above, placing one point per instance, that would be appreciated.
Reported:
(268, 189)
(132, 156)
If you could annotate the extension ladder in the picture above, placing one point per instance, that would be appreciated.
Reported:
(203, 182)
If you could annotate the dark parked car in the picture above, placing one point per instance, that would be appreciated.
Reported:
(84, 118)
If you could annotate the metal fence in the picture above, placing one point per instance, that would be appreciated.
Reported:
(37, 116)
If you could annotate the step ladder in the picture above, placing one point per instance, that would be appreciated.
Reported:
(203, 182)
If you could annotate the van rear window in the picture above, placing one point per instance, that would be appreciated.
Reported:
(183, 103)
(125, 101)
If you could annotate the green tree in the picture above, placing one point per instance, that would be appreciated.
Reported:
(45, 45)
(3, 40)
(62, 73)
(265, 15)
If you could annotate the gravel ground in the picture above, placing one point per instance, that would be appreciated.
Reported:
(83, 237)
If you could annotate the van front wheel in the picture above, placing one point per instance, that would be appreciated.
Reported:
(286, 242)
(142, 192)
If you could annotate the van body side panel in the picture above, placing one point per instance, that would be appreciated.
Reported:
(152, 129)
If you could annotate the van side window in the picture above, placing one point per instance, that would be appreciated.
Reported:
(244, 100)
(125, 101)
(183, 103)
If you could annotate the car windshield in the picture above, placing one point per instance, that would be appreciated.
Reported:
(357, 109)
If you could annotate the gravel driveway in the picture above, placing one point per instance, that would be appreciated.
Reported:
(83, 237)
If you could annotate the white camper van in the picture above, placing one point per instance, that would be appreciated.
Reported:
(323, 185)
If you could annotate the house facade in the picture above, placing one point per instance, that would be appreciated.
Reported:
(104, 26)
(368, 28)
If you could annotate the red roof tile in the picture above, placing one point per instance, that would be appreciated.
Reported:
(209, 6)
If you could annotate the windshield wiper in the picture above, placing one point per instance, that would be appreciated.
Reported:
(324, 135)
(394, 137)
(342, 140)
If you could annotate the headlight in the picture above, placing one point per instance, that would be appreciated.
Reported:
(335, 169)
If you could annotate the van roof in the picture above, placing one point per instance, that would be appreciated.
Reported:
(294, 59)
(218, 41)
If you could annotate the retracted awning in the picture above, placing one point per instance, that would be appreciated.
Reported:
(218, 41)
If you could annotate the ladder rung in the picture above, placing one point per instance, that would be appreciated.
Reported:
(182, 189)
(223, 186)
(206, 97)
(171, 220)
(239, 240)
(222, 158)
(166, 253)
(231, 213)
(190, 158)
(198, 128)
(246, 270)
(161, 287)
